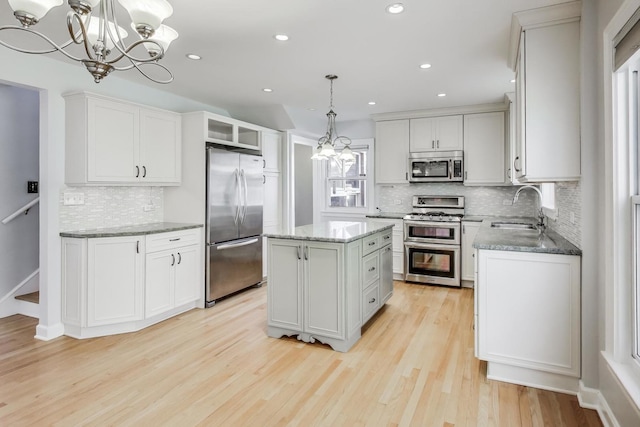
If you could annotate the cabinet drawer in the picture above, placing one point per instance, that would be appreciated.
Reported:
(370, 268)
(370, 244)
(385, 238)
(370, 302)
(171, 240)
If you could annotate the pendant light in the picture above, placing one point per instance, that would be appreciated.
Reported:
(326, 147)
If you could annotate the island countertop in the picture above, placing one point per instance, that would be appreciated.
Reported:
(497, 239)
(130, 230)
(332, 231)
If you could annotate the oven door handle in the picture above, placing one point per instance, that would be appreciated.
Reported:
(432, 224)
(415, 245)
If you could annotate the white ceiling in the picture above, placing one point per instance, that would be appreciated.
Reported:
(376, 55)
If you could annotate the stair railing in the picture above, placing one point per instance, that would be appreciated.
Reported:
(24, 209)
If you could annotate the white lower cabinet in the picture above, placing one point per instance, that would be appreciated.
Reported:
(113, 285)
(386, 273)
(397, 245)
(324, 291)
(528, 318)
(469, 231)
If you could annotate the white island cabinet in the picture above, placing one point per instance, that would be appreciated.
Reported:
(125, 279)
(326, 280)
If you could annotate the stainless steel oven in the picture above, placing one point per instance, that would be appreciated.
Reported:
(436, 166)
(432, 240)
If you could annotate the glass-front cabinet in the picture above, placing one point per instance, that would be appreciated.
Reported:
(229, 131)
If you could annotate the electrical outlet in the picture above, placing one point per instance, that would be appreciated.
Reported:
(572, 217)
(398, 201)
(507, 202)
(73, 199)
(148, 208)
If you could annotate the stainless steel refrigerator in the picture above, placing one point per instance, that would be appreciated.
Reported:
(234, 221)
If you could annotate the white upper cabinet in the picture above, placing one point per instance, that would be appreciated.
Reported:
(547, 65)
(111, 142)
(436, 134)
(392, 151)
(484, 146)
(271, 151)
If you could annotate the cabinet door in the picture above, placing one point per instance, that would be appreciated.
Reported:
(392, 152)
(519, 162)
(160, 270)
(484, 145)
(386, 273)
(272, 200)
(115, 280)
(511, 140)
(112, 141)
(187, 273)
(271, 151)
(449, 133)
(324, 289)
(423, 135)
(284, 288)
(529, 310)
(469, 231)
(160, 147)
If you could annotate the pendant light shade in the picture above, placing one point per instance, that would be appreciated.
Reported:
(327, 144)
(35, 9)
(93, 33)
(317, 154)
(347, 154)
(164, 35)
(147, 14)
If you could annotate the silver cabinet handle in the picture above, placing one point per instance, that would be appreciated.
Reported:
(514, 163)
(173, 260)
(372, 243)
(264, 179)
(306, 252)
(298, 252)
(137, 246)
(372, 269)
(137, 171)
(179, 258)
(174, 240)
(388, 250)
(433, 144)
(438, 144)
(237, 175)
(264, 163)
(246, 196)
(387, 237)
(509, 173)
(144, 171)
(463, 230)
(372, 300)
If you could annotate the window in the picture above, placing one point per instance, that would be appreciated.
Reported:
(347, 181)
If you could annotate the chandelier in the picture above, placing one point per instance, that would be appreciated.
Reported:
(100, 35)
(326, 147)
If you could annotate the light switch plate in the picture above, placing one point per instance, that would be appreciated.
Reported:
(73, 199)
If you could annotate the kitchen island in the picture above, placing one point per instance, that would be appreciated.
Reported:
(326, 280)
(527, 305)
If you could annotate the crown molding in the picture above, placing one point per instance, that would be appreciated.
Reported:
(450, 111)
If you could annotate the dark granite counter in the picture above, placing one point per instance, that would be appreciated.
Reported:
(130, 230)
(332, 231)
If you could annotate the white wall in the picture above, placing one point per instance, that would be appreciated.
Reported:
(53, 78)
(303, 184)
(19, 143)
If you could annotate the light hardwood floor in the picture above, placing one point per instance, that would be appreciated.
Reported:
(414, 366)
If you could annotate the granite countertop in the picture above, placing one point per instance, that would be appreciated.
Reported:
(498, 239)
(332, 231)
(387, 215)
(130, 230)
(480, 218)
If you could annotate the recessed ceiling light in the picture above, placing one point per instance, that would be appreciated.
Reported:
(281, 37)
(425, 66)
(513, 80)
(372, 102)
(266, 89)
(395, 8)
(441, 95)
(311, 109)
(194, 56)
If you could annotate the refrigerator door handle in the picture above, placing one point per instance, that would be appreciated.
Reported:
(237, 175)
(246, 195)
(237, 245)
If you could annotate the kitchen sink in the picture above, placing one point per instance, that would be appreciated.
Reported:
(514, 225)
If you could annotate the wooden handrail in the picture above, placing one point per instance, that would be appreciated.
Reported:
(24, 209)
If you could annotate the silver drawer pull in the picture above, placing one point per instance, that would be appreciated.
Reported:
(372, 243)
(387, 237)
(372, 269)
(372, 300)
(174, 240)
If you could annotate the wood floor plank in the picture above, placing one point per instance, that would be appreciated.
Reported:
(414, 366)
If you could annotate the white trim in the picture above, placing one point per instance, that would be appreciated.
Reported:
(47, 333)
(450, 111)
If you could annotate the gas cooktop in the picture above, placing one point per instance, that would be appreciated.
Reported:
(434, 216)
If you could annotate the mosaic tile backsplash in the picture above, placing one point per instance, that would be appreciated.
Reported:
(568, 199)
(478, 200)
(106, 207)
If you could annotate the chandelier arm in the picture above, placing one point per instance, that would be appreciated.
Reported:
(133, 59)
(55, 47)
(164, 82)
(71, 17)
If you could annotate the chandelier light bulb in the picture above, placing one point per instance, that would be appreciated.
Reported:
(164, 35)
(93, 33)
(147, 15)
(29, 12)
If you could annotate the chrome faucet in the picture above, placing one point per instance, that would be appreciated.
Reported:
(540, 223)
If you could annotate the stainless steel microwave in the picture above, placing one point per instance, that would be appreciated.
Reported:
(436, 166)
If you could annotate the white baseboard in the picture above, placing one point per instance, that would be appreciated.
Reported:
(605, 413)
(588, 397)
(47, 333)
(27, 308)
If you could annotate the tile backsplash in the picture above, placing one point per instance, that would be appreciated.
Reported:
(106, 207)
(478, 200)
(568, 201)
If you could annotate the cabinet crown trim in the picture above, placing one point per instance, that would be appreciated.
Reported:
(92, 95)
(440, 112)
(540, 17)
